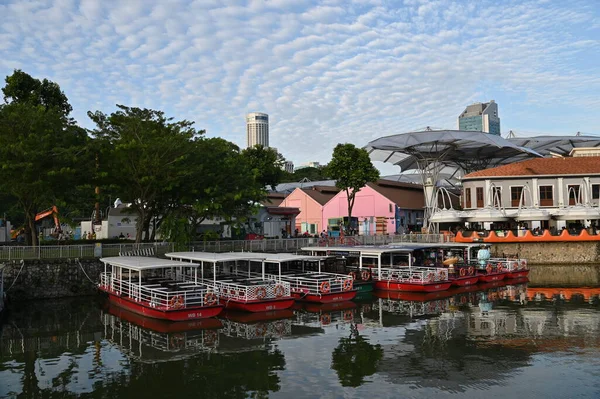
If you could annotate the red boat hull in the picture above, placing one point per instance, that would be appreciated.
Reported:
(172, 315)
(464, 281)
(325, 298)
(492, 277)
(518, 274)
(412, 287)
(329, 307)
(258, 306)
(163, 326)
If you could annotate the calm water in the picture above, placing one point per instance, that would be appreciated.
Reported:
(510, 341)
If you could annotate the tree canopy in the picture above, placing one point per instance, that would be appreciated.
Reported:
(42, 153)
(352, 169)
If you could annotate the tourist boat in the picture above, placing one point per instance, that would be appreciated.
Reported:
(240, 280)
(158, 288)
(308, 282)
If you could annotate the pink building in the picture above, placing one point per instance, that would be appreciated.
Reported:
(310, 201)
(384, 207)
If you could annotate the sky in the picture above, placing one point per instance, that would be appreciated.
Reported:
(326, 72)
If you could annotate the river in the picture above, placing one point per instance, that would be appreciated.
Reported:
(505, 341)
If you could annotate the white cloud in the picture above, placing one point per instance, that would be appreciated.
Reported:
(332, 72)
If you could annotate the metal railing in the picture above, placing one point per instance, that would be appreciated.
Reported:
(275, 245)
(317, 283)
(262, 329)
(78, 251)
(256, 289)
(510, 264)
(411, 274)
(186, 295)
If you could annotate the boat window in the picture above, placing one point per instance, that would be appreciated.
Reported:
(546, 196)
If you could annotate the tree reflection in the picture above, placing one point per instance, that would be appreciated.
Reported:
(355, 358)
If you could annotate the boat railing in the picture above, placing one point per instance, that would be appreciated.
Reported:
(261, 329)
(318, 283)
(510, 264)
(204, 340)
(412, 308)
(176, 295)
(253, 289)
(411, 274)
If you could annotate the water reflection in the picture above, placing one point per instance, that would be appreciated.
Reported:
(460, 341)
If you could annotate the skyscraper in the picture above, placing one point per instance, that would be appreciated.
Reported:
(480, 117)
(257, 129)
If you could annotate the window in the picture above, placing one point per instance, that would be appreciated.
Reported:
(546, 198)
(390, 208)
(467, 197)
(515, 196)
(479, 194)
(497, 196)
(595, 191)
(573, 194)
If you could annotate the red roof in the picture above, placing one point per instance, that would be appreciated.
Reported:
(543, 166)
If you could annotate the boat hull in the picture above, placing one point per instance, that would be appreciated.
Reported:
(363, 286)
(518, 274)
(245, 317)
(492, 277)
(325, 298)
(412, 296)
(412, 287)
(172, 315)
(258, 306)
(464, 281)
(162, 326)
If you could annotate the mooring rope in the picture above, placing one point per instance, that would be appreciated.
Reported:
(88, 277)
(18, 274)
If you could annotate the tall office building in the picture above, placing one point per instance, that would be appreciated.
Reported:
(257, 129)
(480, 117)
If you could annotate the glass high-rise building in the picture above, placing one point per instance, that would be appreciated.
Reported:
(480, 117)
(257, 129)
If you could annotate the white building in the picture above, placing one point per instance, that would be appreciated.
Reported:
(288, 166)
(257, 129)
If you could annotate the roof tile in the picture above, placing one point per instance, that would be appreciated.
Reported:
(543, 166)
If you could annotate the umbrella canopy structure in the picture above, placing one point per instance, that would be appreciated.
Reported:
(488, 214)
(430, 151)
(577, 212)
(561, 145)
(467, 150)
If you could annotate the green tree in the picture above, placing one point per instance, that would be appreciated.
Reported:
(352, 169)
(143, 155)
(266, 165)
(40, 148)
(310, 173)
(355, 358)
(220, 184)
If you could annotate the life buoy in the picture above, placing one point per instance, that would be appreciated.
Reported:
(365, 275)
(463, 272)
(176, 302)
(347, 285)
(442, 275)
(261, 292)
(279, 290)
(463, 299)
(261, 330)
(431, 276)
(325, 287)
(325, 319)
(210, 299)
(499, 267)
(177, 340)
(515, 266)
(471, 270)
(523, 264)
(210, 337)
(348, 315)
(353, 275)
(488, 268)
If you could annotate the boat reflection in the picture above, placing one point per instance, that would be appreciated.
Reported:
(323, 315)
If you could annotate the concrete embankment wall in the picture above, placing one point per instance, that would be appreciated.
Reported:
(42, 279)
(564, 276)
(559, 253)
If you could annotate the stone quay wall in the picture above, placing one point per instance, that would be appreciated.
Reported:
(552, 253)
(44, 279)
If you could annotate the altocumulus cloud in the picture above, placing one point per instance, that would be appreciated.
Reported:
(326, 72)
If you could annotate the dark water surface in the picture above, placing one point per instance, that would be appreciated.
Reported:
(505, 342)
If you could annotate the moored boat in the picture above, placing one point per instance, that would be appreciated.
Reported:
(158, 288)
(241, 282)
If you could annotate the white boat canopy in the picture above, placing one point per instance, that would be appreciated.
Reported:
(140, 263)
(213, 257)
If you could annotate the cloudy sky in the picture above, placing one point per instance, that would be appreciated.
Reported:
(325, 72)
